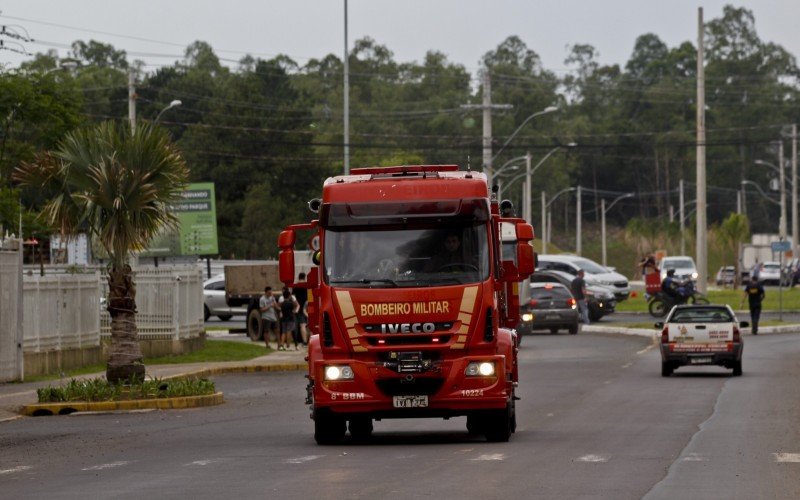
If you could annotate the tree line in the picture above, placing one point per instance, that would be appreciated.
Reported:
(268, 132)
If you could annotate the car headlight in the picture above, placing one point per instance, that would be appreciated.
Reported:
(479, 369)
(527, 317)
(338, 372)
(694, 276)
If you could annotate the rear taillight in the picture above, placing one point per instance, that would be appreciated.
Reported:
(665, 335)
(737, 335)
(533, 302)
(571, 302)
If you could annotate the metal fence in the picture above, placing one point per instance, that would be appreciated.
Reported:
(61, 311)
(11, 357)
(169, 303)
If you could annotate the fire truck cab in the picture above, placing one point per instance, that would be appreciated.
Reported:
(412, 302)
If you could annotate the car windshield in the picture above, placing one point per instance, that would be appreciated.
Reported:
(773, 267)
(551, 292)
(677, 263)
(589, 266)
(406, 257)
(702, 315)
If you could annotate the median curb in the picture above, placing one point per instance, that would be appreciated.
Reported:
(42, 409)
(221, 370)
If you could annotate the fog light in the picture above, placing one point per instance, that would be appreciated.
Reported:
(479, 369)
(334, 372)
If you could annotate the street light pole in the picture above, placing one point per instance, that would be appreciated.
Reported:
(171, 105)
(578, 218)
(543, 228)
(782, 180)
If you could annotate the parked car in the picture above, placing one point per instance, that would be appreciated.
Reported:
(595, 273)
(701, 335)
(600, 298)
(770, 273)
(551, 307)
(684, 267)
(726, 275)
(214, 300)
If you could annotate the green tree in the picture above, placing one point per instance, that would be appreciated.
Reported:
(116, 186)
(734, 231)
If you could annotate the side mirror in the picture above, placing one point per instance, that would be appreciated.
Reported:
(744, 324)
(525, 256)
(659, 325)
(286, 242)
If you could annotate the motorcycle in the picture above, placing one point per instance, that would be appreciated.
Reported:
(660, 303)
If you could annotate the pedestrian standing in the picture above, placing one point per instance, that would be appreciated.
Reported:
(288, 305)
(754, 292)
(578, 288)
(269, 316)
(301, 294)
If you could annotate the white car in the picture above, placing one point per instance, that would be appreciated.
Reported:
(701, 335)
(594, 272)
(214, 300)
(684, 267)
(770, 273)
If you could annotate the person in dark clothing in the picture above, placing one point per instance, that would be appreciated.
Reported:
(578, 289)
(301, 318)
(754, 292)
(671, 287)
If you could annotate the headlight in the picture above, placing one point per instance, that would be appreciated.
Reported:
(338, 372)
(694, 276)
(479, 369)
(527, 317)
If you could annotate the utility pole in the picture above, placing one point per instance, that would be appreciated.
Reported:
(346, 134)
(795, 230)
(527, 197)
(702, 229)
(487, 108)
(603, 227)
(544, 223)
(782, 182)
(132, 100)
(680, 217)
(578, 223)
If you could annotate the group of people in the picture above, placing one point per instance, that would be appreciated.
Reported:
(286, 317)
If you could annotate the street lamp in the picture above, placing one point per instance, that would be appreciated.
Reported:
(782, 188)
(546, 110)
(505, 169)
(545, 209)
(603, 210)
(173, 104)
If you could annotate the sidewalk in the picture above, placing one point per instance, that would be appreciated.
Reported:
(15, 395)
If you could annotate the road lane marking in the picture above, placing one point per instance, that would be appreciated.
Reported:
(205, 462)
(594, 458)
(793, 458)
(106, 466)
(648, 348)
(16, 469)
(301, 460)
(490, 457)
(628, 365)
(9, 419)
(695, 457)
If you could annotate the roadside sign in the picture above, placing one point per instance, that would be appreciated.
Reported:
(781, 246)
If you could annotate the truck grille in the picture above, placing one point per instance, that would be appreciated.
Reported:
(424, 386)
(390, 340)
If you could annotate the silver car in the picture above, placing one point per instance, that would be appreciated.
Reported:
(214, 300)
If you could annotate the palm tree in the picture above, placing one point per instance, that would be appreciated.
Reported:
(116, 185)
(732, 233)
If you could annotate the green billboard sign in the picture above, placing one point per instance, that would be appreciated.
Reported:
(197, 234)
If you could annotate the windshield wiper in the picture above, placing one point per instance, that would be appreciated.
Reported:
(365, 281)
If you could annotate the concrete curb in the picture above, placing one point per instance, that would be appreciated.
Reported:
(221, 370)
(41, 409)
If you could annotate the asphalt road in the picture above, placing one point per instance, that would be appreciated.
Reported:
(596, 420)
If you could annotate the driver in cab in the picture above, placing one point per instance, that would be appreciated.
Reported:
(451, 256)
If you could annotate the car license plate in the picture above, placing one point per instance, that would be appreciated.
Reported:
(700, 361)
(410, 401)
(552, 316)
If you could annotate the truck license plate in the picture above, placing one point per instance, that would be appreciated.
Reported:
(553, 316)
(410, 401)
(701, 361)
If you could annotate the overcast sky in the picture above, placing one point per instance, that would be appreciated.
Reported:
(464, 30)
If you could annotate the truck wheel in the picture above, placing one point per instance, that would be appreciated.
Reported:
(475, 424)
(500, 424)
(666, 369)
(224, 317)
(737, 368)
(254, 325)
(328, 428)
(360, 428)
(206, 313)
(573, 329)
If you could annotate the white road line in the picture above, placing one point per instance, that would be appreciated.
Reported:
(16, 469)
(9, 419)
(301, 460)
(694, 457)
(627, 365)
(204, 462)
(648, 348)
(793, 458)
(490, 457)
(106, 466)
(594, 458)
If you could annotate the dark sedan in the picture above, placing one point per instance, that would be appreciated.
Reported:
(551, 307)
(600, 299)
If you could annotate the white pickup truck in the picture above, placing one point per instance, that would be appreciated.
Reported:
(701, 335)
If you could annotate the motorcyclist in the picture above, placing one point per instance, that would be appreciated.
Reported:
(672, 288)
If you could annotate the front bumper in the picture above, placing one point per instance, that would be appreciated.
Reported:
(449, 391)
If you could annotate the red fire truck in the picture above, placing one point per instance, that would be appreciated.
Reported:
(412, 301)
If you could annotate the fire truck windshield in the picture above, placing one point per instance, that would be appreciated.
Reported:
(406, 257)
